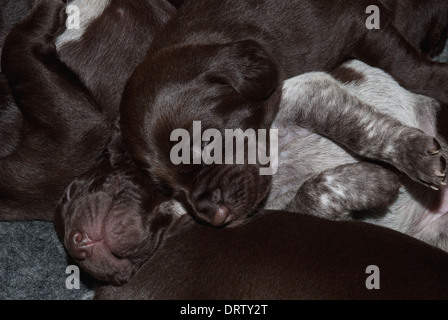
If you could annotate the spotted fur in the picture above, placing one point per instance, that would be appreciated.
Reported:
(323, 178)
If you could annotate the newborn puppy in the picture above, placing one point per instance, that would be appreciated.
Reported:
(385, 190)
(225, 69)
(318, 177)
(281, 255)
(39, 160)
(109, 222)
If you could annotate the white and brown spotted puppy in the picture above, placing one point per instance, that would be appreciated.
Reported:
(319, 177)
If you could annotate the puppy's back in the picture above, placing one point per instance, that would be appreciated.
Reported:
(280, 255)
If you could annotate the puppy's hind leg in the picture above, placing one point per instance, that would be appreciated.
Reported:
(335, 193)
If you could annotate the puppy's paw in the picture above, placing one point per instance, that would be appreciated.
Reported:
(420, 157)
(336, 193)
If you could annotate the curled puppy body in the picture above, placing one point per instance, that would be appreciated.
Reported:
(319, 177)
(282, 255)
(365, 187)
(100, 47)
(225, 71)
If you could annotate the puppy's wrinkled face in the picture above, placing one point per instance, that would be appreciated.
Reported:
(225, 193)
(110, 222)
(233, 86)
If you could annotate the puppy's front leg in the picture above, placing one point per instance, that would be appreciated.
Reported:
(319, 103)
(335, 193)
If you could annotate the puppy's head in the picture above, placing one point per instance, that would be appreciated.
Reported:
(225, 193)
(230, 86)
(110, 222)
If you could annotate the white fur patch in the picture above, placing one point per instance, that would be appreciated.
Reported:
(173, 207)
(89, 10)
(338, 190)
(325, 201)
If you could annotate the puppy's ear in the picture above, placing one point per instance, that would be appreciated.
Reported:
(60, 215)
(247, 68)
(162, 218)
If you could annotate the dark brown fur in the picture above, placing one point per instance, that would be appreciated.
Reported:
(61, 123)
(62, 130)
(113, 45)
(280, 255)
(12, 12)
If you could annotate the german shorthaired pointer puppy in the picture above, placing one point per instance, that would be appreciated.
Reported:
(110, 221)
(222, 62)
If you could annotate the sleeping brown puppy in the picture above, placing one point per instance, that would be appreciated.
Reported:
(109, 222)
(222, 62)
(109, 231)
(281, 255)
(61, 122)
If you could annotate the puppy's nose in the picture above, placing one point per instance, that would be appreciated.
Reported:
(210, 208)
(221, 216)
(80, 246)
